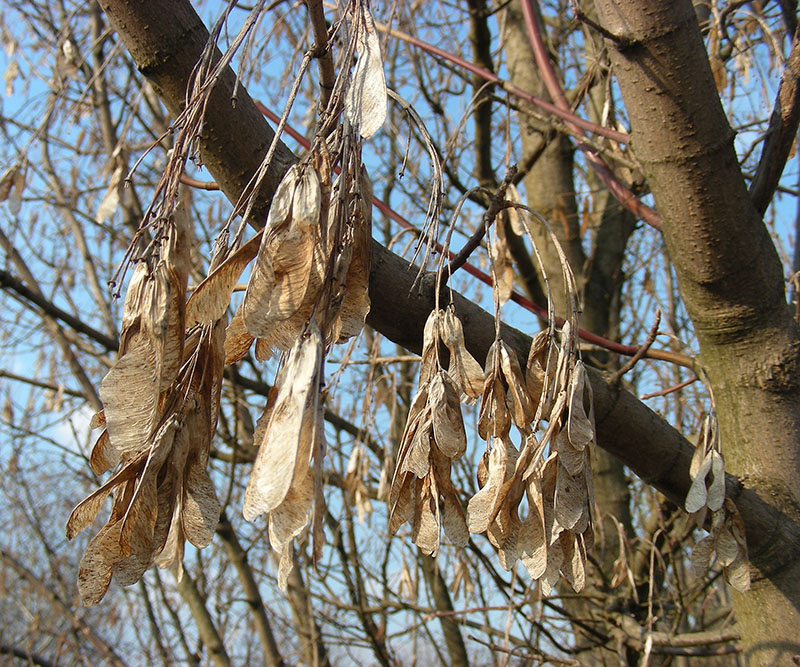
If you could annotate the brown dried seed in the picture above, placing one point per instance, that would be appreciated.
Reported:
(448, 424)
(283, 436)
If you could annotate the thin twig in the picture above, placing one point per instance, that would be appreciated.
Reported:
(641, 351)
(669, 390)
(614, 135)
(497, 204)
(621, 192)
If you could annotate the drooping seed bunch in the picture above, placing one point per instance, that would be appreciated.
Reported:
(726, 538)
(308, 290)
(160, 407)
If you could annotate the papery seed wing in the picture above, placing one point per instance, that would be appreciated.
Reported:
(273, 470)
(700, 450)
(212, 297)
(701, 556)
(697, 496)
(448, 424)
(365, 100)
(255, 305)
(536, 369)
(465, 370)
(451, 330)
(110, 200)
(425, 529)
(454, 521)
(85, 512)
(532, 540)
(417, 460)
(727, 548)
(171, 554)
(237, 339)
(430, 337)
(570, 497)
(738, 574)
(482, 505)
(716, 490)
(130, 392)
(574, 460)
(307, 201)
(400, 501)
(356, 304)
(522, 412)
(289, 519)
(103, 456)
(290, 258)
(94, 573)
(138, 524)
(573, 563)
(494, 419)
(467, 373)
(201, 508)
(503, 268)
(281, 208)
(163, 319)
(579, 426)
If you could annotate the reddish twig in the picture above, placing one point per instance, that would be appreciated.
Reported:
(641, 351)
(566, 115)
(516, 297)
(669, 390)
(620, 191)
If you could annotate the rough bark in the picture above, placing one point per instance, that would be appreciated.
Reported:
(730, 278)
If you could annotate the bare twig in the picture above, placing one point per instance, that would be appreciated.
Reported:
(497, 204)
(321, 51)
(642, 349)
(669, 390)
(516, 297)
(609, 179)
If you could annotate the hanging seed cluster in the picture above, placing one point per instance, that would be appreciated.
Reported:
(308, 289)
(552, 537)
(160, 407)
(434, 437)
(726, 539)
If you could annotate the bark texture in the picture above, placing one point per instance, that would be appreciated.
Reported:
(730, 278)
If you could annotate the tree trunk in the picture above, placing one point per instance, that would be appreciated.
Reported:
(731, 281)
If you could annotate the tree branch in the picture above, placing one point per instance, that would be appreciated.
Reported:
(781, 133)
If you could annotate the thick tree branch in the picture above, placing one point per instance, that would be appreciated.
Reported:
(781, 133)
(731, 282)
